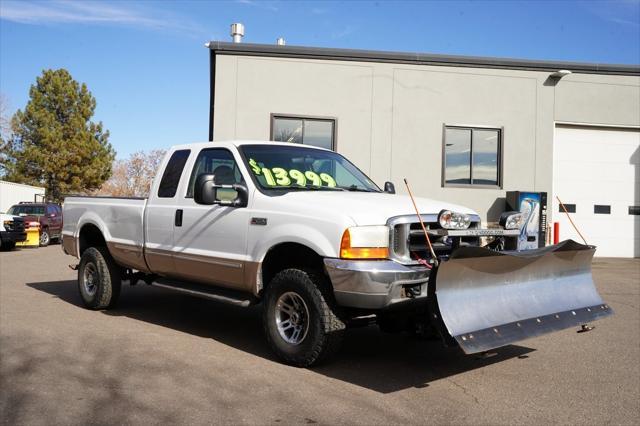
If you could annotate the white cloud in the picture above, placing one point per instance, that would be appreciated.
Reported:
(262, 4)
(76, 12)
(344, 32)
(621, 12)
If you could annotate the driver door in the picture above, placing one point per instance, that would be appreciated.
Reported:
(210, 241)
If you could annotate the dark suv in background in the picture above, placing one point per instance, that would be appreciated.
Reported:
(49, 215)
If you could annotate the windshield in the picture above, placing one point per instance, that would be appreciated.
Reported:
(297, 168)
(27, 210)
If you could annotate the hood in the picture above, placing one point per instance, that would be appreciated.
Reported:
(369, 208)
(30, 218)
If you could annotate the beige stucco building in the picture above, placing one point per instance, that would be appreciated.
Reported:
(461, 129)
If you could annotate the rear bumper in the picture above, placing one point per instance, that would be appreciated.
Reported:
(375, 284)
(12, 236)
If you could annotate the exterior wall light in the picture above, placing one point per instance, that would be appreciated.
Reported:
(560, 73)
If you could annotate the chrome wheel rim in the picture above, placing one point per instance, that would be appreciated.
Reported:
(44, 238)
(292, 318)
(90, 279)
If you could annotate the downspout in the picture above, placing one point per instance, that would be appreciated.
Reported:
(212, 90)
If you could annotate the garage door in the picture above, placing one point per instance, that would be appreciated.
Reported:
(596, 174)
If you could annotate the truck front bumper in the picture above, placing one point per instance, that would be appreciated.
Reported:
(376, 284)
(13, 236)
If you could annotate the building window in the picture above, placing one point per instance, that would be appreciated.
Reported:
(472, 156)
(304, 130)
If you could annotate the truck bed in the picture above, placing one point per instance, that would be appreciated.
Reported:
(121, 221)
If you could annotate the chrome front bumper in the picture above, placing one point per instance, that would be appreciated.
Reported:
(375, 284)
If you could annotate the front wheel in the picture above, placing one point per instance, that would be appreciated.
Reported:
(299, 317)
(99, 279)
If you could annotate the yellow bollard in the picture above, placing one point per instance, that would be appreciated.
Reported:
(33, 235)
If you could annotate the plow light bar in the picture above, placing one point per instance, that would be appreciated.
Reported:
(511, 220)
(365, 242)
(453, 220)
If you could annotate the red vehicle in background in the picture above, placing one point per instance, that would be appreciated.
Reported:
(49, 215)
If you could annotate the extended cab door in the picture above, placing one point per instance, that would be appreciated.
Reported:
(210, 241)
(160, 215)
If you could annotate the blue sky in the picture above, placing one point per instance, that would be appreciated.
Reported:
(147, 66)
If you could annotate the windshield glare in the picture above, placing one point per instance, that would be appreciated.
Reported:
(292, 167)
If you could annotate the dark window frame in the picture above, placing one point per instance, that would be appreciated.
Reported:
(334, 136)
(471, 128)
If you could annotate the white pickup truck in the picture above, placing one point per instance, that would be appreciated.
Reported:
(11, 231)
(306, 233)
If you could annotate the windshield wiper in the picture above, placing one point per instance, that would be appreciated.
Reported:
(356, 188)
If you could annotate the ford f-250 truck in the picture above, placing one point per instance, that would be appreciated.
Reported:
(321, 246)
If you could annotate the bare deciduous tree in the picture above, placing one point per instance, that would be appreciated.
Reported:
(132, 177)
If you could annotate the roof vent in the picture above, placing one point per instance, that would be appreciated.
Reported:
(237, 32)
(280, 41)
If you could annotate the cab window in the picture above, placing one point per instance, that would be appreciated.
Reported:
(172, 173)
(222, 165)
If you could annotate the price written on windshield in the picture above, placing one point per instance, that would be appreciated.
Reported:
(278, 176)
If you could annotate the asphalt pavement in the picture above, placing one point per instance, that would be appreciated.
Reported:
(162, 357)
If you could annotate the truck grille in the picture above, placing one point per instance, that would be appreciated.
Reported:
(409, 242)
(17, 225)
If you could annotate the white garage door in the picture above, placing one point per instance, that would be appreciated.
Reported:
(596, 174)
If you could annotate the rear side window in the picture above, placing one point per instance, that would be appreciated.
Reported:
(172, 173)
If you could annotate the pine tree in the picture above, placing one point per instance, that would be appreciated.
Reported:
(54, 142)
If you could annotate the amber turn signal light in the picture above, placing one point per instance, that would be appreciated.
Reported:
(348, 252)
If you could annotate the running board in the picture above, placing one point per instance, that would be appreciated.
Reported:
(208, 292)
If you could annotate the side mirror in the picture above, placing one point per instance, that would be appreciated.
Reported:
(389, 188)
(206, 192)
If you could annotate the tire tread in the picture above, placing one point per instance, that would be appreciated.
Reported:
(329, 343)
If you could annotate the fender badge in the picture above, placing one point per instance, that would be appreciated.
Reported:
(259, 221)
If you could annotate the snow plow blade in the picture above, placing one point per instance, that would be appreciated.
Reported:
(487, 299)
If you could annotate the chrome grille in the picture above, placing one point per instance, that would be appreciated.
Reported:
(409, 242)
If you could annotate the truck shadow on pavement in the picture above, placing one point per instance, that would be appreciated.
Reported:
(369, 358)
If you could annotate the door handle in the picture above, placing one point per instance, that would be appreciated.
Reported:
(178, 219)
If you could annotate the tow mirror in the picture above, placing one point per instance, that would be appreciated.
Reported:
(389, 188)
(207, 192)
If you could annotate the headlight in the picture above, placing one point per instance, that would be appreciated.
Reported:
(511, 220)
(365, 242)
(453, 220)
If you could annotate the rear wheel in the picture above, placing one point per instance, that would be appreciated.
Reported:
(300, 318)
(99, 279)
